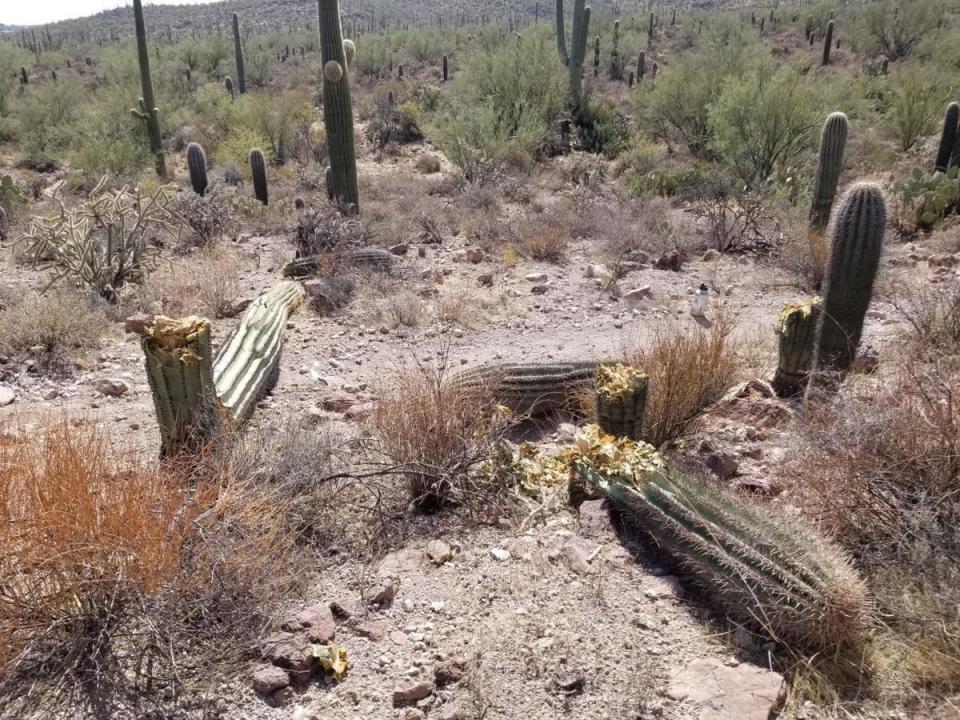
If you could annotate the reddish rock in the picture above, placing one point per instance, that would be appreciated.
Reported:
(397, 563)
(338, 401)
(744, 692)
(402, 696)
(594, 518)
(317, 622)
(723, 465)
(288, 650)
(266, 679)
(449, 671)
(577, 553)
(371, 629)
(438, 552)
(137, 323)
(381, 593)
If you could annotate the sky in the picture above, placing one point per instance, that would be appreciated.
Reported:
(36, 12)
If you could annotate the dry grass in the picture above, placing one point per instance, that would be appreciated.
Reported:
(688, 370)
(120, 576)
(60, 327)
(435, 434)
(206, 282)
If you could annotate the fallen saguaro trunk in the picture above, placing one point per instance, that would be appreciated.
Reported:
(194, 390)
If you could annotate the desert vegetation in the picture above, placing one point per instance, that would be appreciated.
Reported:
(343, 346)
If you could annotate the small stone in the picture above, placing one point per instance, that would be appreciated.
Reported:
(449, 671)
(723, 465)
(402, 696)
(638, 295)
(337, 401)
(318, 622)
(137, 323)
(485, 280)
(539, 289)
(7, 395)
(372, 630)
(398, 637)
(269, 678)
(670, 261)
(414, 714)
(452, 711)
(499, 554)
(283, 697)
(288, 650)
(577, 553)
(438, 552)
(381, 594)
(474, 255)
(711, 255)
(537, 277)
(111, 387)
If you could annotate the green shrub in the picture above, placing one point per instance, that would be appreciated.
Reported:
(917, 99)
(235, 149)
(687, 183)
(399, 123)
(46, 120)
(895, 28)
(281, 121)
(600, 128)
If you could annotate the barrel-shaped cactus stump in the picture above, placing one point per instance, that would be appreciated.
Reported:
(258, 169)
(197, 165)
(796, 334)
(621, 400)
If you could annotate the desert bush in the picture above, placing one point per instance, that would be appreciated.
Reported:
(206, 282)
(688, 370)
(917, 100)
(63, 325)
(398, 123)
(895, 28)
(736, 222)
(209, 216)
(281, 122)
(435, 434)
(600, 128)
(764, 121)
(686, 183)
(922, 200)
(428, 164)
(47, 120)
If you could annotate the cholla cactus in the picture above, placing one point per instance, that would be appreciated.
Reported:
(771, 573)
(578, 46)
(197, 165)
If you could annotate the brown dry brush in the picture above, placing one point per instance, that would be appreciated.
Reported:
(118, 577)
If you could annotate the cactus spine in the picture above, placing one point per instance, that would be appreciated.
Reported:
(796, 335)
(857, 242)
(771, 573)
(238, 52)
(578, 46)
(827, 44)
(258, 168)
(948, 137)
(150, 114)
(621, 401)
(197, 164)
(530, 389)
(337, 110)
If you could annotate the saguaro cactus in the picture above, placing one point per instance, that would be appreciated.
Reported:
(796, 334)
(857, 242)
(827, 44)
(24, 77)
(641, 65)
(238, 52)
(596, 56)
(833, 141)
(948, 138)
(446, 68)
(337, 109)
(621, 400)
(228, 86)
(769, 572)
(616, 62)
(197, 165)
(578, 48)
(258, 168)
(150, 114)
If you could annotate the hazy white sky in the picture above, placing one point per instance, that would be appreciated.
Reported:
(34, 12)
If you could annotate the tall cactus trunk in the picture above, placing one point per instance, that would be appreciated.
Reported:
(150, 111)
(578, 49)
(833, 142)
(948, 137)
(238, 52)
(337, 108)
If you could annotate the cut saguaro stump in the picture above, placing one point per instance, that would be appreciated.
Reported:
(621, 400)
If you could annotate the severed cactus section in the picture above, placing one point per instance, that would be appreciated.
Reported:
(857, 243)
(621, 400)
(774, 574)
(246, 366)
(530, 389)
(178, 360)
(796, 335)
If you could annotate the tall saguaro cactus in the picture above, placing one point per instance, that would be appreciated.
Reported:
(149, 112)
(578, 47)
(827, 44)
(238, 51)
(951, 121)
(337, 107)
(858, 228)
(833, 142)
(258, 169)
(197, 165)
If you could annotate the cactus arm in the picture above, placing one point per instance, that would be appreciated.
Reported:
(833, 142)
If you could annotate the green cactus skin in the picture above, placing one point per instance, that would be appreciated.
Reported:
(150, 115)
(596, 56)
(530, 389)
(616, 66)
(833, 142)
(856, 246)
(650, 30)
(238, 52)
(827, 44)
(948, 138)
(338, 110)
(621, 415)
(631, 80)
(796, 335)
(258, 169)
(578, 47)
(400, 72)
(245, 368)
(178, 356)
(446, 69)
(197, 164)
(228, 86)
(24, 77)
(771, 573)
(641, 65)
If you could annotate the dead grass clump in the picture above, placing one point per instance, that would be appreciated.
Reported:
(117, 576)
(435, 433)
(206, 282)
(61, 326)
(932, 319)
(428, 164)
(688, 370)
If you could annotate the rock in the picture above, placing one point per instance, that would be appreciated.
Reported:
(414, 714)
(599, 272)
(396, 563)
(400, 249)
(7, 395)
(723, 465)
(474, 255)
(499, 554)
(537, 277)
(288, 650)
(358, 412)
(372, 629)
(449, 671)
(266, 679)
(111, 387)
(337, 401)
(236, 307)
(344, 611)
(638, 295)
(452, 711)
(594, 516)
(744, 692)
(576, 554)
(540, 289)
(398, 637)
(283, 697)
(317, 621)
(402, 696)
(671, 261)
(381, 594)
(485, 280)
(137, 323)
(711, 255)
(439, 552)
